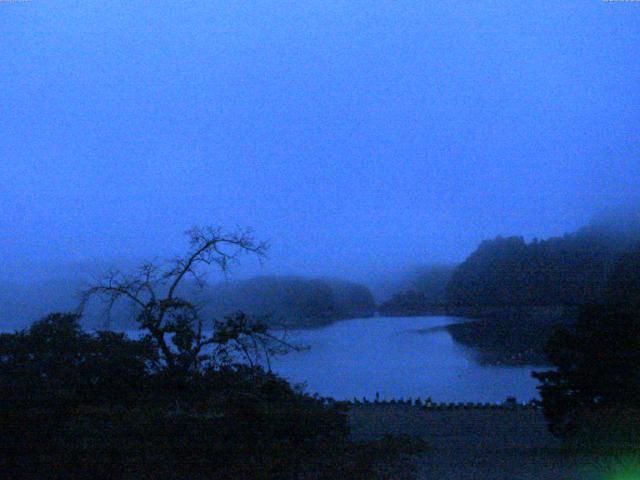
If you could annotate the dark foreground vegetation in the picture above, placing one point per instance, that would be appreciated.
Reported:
(193, 398)
(594, 391)
(492, 444)
(593, 394)
(79, 405)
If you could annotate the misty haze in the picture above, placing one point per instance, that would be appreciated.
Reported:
(318, 240)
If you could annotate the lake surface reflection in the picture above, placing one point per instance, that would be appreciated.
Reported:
(398, 357)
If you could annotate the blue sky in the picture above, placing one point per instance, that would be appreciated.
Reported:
(351, 135)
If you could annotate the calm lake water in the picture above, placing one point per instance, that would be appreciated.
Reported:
(398, 357)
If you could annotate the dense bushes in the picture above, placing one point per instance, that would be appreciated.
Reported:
(80, 405)
(597, 366)
(84, 403)
(56, 363)
(596, 382)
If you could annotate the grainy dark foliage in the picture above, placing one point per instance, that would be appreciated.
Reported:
(77, 405)
(595, 388)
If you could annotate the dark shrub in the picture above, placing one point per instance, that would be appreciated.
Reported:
(79, 405)
(597, 369)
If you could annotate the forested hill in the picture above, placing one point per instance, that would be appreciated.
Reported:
(294, 301)
(568, 270)
(289, 300)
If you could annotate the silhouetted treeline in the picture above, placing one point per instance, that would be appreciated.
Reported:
(506, 272)
(290, 301)
(516, 335)
(102, 406)
(24, 302)
(568, 270)
(623, 287)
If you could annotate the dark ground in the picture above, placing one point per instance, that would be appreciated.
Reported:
(480, 444)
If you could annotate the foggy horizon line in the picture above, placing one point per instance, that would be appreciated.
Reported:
(358, 270)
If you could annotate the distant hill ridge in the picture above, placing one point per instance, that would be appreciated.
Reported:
(510, 272)
(568, 270)
(290, 300)
(280, 300)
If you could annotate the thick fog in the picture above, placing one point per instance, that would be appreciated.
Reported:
(358, 138)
